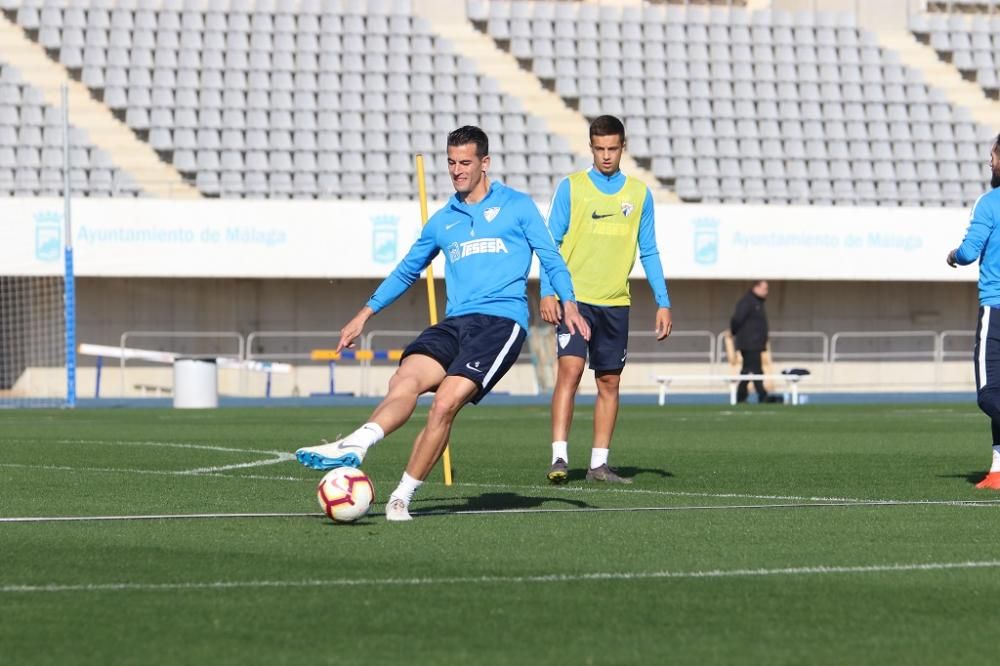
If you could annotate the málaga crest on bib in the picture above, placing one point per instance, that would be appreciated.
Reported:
(627, 208)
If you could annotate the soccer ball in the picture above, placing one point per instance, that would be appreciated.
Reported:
(345, 494)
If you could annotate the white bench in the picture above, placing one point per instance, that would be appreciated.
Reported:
(791, 383)
(105, 351)
(153, 356)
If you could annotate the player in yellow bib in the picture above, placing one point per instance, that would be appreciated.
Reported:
(600, 218)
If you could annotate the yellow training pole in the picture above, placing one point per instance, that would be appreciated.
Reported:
(431, 296)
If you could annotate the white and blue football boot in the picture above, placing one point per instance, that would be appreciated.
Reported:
(331, 455)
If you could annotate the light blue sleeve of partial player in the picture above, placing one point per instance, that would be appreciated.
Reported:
(558, 224)
(649, 253)
(541, 242)
(981, 224)
(408, 270)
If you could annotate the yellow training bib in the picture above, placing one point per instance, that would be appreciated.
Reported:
(602, 240)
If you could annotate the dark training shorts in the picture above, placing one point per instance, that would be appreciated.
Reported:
(608, 344)
(479, 347)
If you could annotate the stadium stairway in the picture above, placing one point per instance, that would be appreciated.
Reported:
(105, 131)
(517, 82)
(940, 74)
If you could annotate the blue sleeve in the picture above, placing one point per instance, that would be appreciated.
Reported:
(558, 224)
(406, 273)
(981, 224)
(540, 240)
(649, 254)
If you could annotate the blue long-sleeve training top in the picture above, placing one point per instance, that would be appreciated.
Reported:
(981, 242)
(649, 254)
(487, 247)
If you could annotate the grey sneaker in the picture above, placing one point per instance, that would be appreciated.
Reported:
(606, 474)
(557, 472)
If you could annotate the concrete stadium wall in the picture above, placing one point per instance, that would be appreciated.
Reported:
(884, 14)
(639, 378)
(109, 306)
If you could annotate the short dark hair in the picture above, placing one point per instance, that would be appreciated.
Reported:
(470, 134)
(606, 126)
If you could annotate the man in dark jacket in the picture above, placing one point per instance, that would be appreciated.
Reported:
(749, 329)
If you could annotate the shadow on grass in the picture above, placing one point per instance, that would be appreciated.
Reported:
(498, 502)
(971, 477)
(626, 471)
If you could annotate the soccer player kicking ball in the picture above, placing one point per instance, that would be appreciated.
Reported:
(598, 217)
(488, 232)
(982, 242)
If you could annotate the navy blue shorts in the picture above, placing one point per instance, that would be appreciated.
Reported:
(478, 347)
(608, 344)
(987, 349)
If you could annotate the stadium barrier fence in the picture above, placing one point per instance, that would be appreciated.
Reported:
(845, 360)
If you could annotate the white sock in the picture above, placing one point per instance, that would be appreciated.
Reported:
(407, 486)
(995, 467)
(598, 457)
(559, 451)
(367, 435)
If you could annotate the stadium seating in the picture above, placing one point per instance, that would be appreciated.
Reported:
(331, 98)
(970, 42)
(304, 100)
(756, 107)
(31, 148)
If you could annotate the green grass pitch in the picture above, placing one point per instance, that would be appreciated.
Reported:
(760, 535)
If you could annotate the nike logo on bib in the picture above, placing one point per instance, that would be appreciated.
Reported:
(596, 216)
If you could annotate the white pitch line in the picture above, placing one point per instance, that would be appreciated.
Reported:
(171, 445)
(281, 457)
(681, 493)
(154, 472)
(717, 507)
(821, 570)
(546, 488)
(487, 512)
(674, 493)
(278, 456)
(157, 516)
